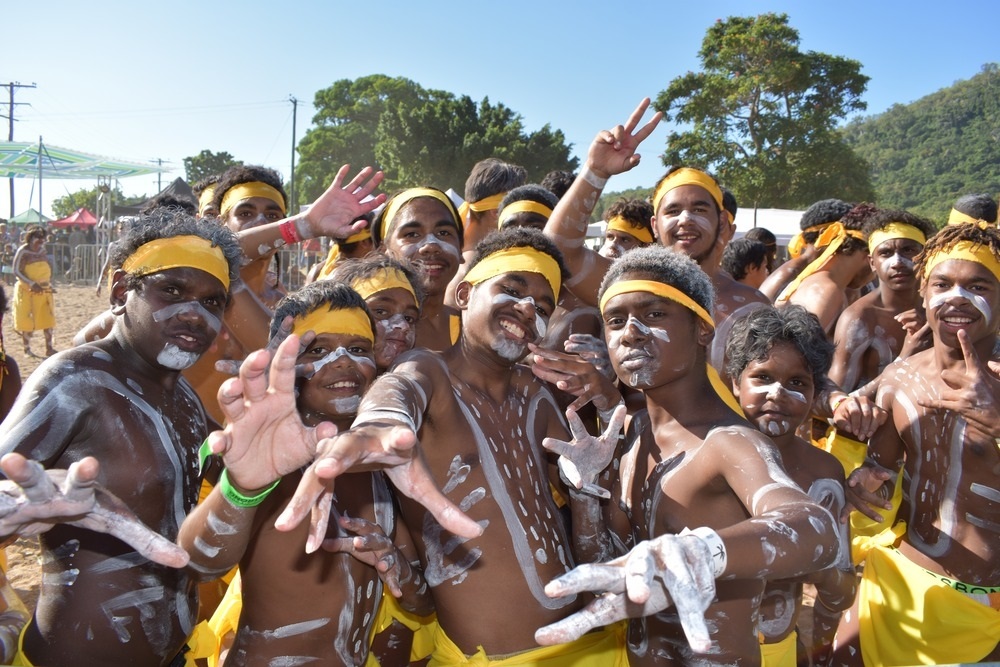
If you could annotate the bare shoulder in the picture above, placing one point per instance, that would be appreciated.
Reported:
(817, 463)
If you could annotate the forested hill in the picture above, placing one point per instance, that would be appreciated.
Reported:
(926, 154)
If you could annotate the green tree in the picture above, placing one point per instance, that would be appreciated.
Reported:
(87, 198)
(416, 136)
(762, 115)
(207, 163)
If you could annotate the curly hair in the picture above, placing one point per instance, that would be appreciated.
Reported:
(241, 173)
(558, 182)
(636, 212)
(886, 216)
(518, 237)
(666, 266)
(351, 270)
(820, 213)
(947, 237)
(754, 335)
(981, 207)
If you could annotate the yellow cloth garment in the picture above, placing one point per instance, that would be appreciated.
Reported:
(909, 617)
(830, 240)
(226, 618)
(780, 654)
(455, 328)
(21, 660)
(34, 311)
(850, 452)
(605, 648)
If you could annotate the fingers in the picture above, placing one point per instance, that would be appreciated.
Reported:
(413, 480)
(319, 519)
(576, 426)
(307, 493)
(972, 363)
(590, 577)
(30, 476)
(80, 480)
(614, 429)
(137, 535)
(282, 370)
(602, 611)
(229, 367)
(639, 572)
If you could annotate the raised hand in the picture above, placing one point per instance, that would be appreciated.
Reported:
(576, 376)
(868, 490)
(371, 446)
(974, 394)
(594, 350)
(372, 546)
(332, 214)
(264, 438)
(586, 456)
(33, 499)
(858, 416)
(670, 569)
(614, 151)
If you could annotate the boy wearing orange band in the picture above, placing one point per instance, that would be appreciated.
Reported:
(931, 593)
(123, 401)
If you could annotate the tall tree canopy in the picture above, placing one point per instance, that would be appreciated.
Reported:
(926, 154)
(417, 136)
(763, 114)
(207, 163)
(87, 198)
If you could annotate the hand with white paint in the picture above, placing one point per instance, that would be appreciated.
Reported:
(868, 490)
(594, 350)
(974, 394)
(614, 151)
(918, 332)
(264, 438)
(586, 456)
(334, 212)
(576, 376)
(370, 446)
(676, 570)
(857, 415)
(33, 500)
(372, 546)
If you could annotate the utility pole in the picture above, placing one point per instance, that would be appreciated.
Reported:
(159, 174)
(10, 135)
(291, 201)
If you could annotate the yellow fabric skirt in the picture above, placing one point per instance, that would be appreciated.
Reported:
(909, 617)
(780, 654)
(605, 648)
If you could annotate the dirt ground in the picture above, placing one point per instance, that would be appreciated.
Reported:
(75, 306)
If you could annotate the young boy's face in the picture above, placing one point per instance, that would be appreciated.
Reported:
(959, 294)
(776, 392)
(424, 233)
(396, 313)
(254, 212)
(175, 316)
(509, 311)
(344, 368)
(892, 262)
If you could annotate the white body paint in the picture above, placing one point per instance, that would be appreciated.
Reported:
(957, 291)
(165, 313)
(175, 358)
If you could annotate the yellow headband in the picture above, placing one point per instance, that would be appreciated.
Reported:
(349, 321)
(970, 252)
(674, 294)
(688, 176)
(178, 252)
(620, 224)
(365, 233)
(205, 199)
(405, 197)
(518, 258)
(830, 240)
(238, 193)
(659, 289)
(895, 230)
(523, 206)
(484, 204)
(384, 279)
(956, 217)
(798, 242)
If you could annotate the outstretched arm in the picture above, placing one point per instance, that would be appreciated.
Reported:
(612, 152)
(330, 215)
(33, 500)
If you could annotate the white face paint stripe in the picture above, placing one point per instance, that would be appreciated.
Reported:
(775, 389)
(703, 223)
(165, 313)
(937, 300)
(337, 354)
(540, 324)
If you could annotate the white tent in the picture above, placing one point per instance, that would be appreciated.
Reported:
(782, 222)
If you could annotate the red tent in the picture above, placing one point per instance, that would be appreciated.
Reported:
(80, 216)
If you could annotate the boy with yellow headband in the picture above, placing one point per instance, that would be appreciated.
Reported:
(628, 227)
(123, 401)
(480, 419)
(231, 526)
(700, 501)
(930, 593)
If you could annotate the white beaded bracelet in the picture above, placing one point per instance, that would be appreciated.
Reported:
(716, 547)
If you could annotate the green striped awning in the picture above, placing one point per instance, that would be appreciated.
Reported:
(20, 160)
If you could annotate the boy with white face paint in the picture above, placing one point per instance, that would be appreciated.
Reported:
(872, 331)
(337, 353)
(700, 503)
(481, 418)
(123, 401)
(943, 559)
(778, 360)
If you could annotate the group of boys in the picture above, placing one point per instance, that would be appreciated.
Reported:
(406, 470)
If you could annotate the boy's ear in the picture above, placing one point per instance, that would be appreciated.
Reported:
(118, 291)
(462, 292)
(705, 333)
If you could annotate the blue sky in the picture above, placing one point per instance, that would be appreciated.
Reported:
(140, 82)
